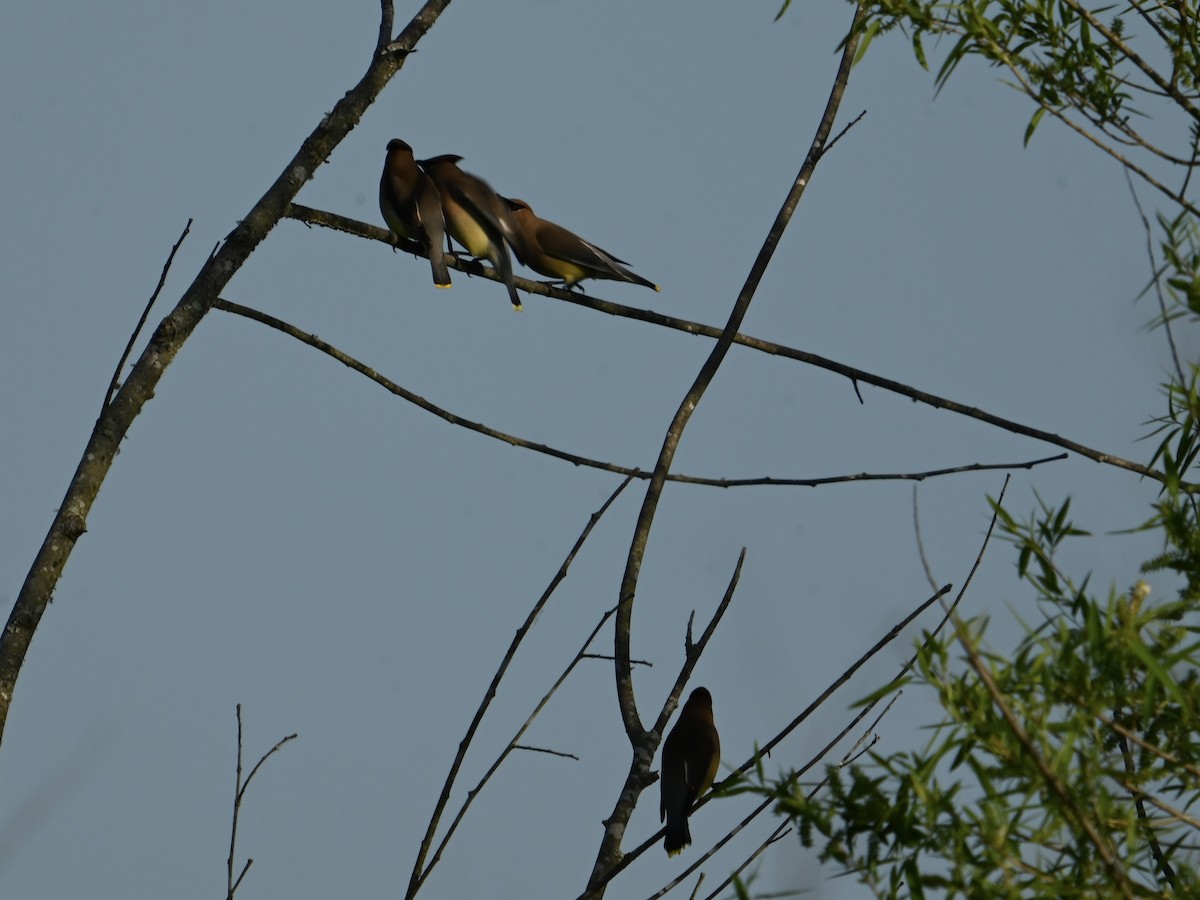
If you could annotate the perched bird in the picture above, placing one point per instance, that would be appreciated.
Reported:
(475, 216)
(690, 756)
(410, 206)
(551, 250)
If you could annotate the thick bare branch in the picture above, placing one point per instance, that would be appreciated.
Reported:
(70, 522)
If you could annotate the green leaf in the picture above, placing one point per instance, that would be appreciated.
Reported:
(1033, 123)
(864, 41)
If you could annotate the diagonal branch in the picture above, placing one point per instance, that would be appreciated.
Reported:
(580, 655)
(137, 329)
(420, 871)
(638, 777)
(70, 522)
(1053, 784)
(850, 755)
(765, 750)
(693, 651)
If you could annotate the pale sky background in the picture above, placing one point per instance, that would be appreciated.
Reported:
(280, 532)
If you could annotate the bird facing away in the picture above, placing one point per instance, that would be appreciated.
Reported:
(551, 250)
(410, 206)
(690, 756)
(475, 216)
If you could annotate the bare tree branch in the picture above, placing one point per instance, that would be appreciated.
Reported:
(850, 755)
(854, 375)
(644, 744)
(350, 362)
(420, 870)
(693, 651)
(70, 522)
(581, 655)
(532, 749)
(785, 826)
(638, 777)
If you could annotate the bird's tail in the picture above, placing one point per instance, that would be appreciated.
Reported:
(437, 259)
(503, 264)
(678, 835)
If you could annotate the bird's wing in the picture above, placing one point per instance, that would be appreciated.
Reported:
(475, 196)
(562, 244)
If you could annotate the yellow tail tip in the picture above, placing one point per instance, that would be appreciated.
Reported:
(443, 286)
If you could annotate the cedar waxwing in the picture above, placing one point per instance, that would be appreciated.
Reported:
(552, 250)
(690, 757)
(410, 206)
(475, 216)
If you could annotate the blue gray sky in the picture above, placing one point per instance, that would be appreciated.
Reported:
(281, 532)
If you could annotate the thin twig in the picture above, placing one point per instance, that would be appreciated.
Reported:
(785, 826)
(420, 870)
(474, 792)
(162, 280)
(639, 776)
(237, 804)
(1026, 87)
(420, 402)
(1155, 279)
(842, 679)
(849, 757)
(633, 854)
(608, 657)
(693, 650)
(921, 544)
(545, 750)
(239, 795)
